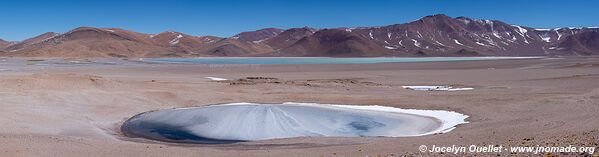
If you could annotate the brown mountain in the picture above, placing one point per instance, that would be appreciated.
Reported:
(3, 44)
(30, 41)
(233, 47)
(92, 42)
(440, 35)
(113, 42)
(289, 37)
(583, 43)
(258, 35)
(436, 35)
(183, 43)
(337, 43)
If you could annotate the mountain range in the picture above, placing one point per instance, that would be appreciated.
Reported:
(435, 35)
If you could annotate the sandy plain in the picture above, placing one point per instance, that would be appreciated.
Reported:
(52, 110)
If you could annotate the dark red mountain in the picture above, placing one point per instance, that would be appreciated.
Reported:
(336, 43)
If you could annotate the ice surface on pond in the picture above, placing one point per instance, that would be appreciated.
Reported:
(435, 88)
(250, 121)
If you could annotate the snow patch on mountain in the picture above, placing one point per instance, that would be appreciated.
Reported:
(464, 20)
(545, 37)
(390, 48)
(496, 34)
(559, 35)
(479, 43)
(176, 40)
(416, 43)
(439, 43)
(522, 33)
(419, 35)
(457, 42)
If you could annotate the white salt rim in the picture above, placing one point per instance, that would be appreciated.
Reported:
(216, 78)
(436, 88)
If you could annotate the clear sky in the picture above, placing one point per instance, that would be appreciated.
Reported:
(23, 19)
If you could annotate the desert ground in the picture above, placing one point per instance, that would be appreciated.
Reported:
(52, 110)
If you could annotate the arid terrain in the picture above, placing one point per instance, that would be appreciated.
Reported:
(49, 110)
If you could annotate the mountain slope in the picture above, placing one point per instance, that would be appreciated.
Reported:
(584, 43)
(435, 35)
(289, 37)
(334, 42)
(30, 41)
(183, 43)
(440, 35)
(232, 47)
(258, 35)
(3, 44)
(92, 42)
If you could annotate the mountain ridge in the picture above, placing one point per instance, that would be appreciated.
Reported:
(434, 35)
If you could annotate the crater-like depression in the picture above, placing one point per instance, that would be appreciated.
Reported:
(239, 122)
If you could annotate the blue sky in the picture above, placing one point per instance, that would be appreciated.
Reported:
(24, 19)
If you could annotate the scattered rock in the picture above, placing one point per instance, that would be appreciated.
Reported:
(305, 83)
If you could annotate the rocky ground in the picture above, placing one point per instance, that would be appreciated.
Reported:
(76, 111)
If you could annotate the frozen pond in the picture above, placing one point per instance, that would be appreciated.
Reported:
(237, 122)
